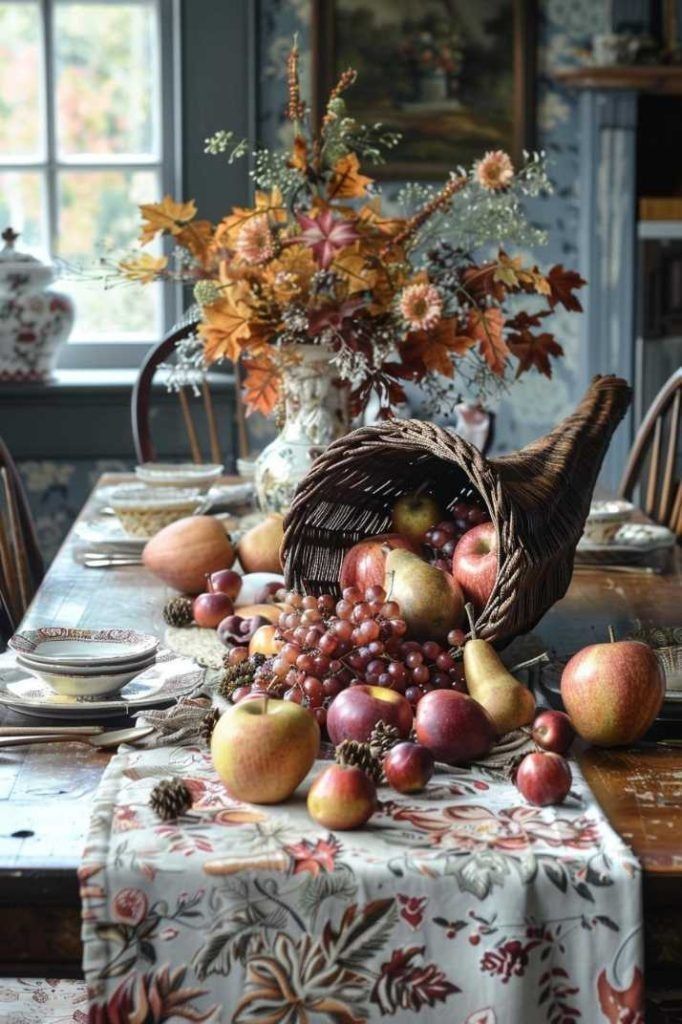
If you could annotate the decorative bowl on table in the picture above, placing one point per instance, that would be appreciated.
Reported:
(179, 474)
(605, 520)
(83, 662)
(142, 511)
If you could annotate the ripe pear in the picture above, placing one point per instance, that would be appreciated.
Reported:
(258, 550)
(431, 602)
(509, 703)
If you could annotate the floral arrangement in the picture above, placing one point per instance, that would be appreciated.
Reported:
(317, 259)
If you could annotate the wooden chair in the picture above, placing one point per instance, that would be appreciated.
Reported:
(140, 405)
(21, 564)
(656, 448)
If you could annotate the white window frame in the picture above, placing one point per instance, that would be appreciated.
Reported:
(167, 161)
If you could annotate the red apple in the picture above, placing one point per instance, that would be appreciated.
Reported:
(552, 730)
(454, 727)
(355, 711)
(225, 581)
(613, 691)
(414, 514)
(474, 563)
(342, 797)
(263, 748)
(364, 565)
(408, 767)
(210, 609)
(543, 778)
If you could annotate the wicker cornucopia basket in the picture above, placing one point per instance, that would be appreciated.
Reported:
(538, 498)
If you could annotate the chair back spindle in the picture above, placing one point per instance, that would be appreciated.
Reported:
(653, 465)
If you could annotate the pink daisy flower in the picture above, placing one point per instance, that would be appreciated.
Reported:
(421, 306)
(255, 243)
(494, 171)
(325, 235)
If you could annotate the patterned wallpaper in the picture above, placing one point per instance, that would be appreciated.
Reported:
(58, 489)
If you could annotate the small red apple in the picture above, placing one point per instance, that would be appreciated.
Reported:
(474, 563)
(552, 730)
(342, 797)
(355, 711)
(408, 767)
(543, 778)
(210, 609)
(414, 514)
(613, 691)
(454, 727)
(225, 581)
(364, 565)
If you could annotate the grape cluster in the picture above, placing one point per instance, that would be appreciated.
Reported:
(441, 540)
(328, 645)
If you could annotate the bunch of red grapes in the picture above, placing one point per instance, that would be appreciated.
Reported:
(441, 540)
(329, 645)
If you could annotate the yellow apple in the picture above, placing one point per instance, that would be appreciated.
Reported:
(262, 748)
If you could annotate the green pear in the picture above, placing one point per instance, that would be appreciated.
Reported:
(509, 703)
(430, 600)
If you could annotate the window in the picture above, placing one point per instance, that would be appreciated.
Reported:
(86, 134)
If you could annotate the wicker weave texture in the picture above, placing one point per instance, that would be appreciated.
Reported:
(538, 498)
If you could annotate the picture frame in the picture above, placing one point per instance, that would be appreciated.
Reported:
(423, 105)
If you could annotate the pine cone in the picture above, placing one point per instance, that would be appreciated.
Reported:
(243, 674)
(178, 611)
(382, 738)
(208, 724)
(359, 755)
(170, 798)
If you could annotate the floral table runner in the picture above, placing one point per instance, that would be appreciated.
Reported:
(462, 905)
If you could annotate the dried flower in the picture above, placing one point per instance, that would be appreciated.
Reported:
(494, 171)
(296, 106)
(255, 243)
(326, 235)
(421, 305)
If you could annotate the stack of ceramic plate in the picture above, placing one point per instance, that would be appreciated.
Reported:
(84, 662)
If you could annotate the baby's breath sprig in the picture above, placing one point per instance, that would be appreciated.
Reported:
(221, 141)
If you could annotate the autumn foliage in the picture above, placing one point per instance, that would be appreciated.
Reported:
(315, 259)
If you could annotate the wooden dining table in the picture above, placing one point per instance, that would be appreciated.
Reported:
(46, 791)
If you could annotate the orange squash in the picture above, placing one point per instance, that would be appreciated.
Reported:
(271, 612)
(182, 553)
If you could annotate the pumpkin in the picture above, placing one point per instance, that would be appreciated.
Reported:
(183, 553)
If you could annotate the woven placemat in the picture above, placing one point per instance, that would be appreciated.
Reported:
(195, 642)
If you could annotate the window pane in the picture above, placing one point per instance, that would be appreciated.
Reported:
(105, 59)
(22, 206)
(99, 217)
(20, 81)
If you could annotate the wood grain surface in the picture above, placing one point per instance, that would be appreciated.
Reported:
(46, 792)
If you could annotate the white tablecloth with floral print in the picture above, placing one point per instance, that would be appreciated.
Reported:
(462, 905)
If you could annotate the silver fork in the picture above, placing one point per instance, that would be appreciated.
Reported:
(101, 741)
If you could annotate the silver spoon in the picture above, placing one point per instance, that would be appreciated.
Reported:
(104, 740)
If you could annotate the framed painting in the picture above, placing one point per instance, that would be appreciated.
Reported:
(454, 77)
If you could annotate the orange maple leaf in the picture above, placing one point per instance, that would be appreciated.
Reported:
(261, 385)
(485, 327)
(225, 328)
(299, 157)
(346, 181)
(270, 203)
(352, 267)
(436, 347)
(165, 216)
(196, 238)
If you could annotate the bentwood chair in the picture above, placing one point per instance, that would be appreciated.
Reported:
(21, 564)
(654, 460)
(198, 411)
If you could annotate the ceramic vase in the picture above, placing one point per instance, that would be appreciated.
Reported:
(34, 321)
(314, 415)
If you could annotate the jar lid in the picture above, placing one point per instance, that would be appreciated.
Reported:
(8, 254)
